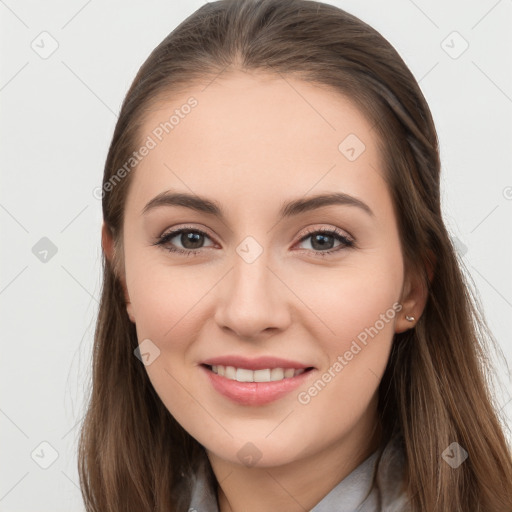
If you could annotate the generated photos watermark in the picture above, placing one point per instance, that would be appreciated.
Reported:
(151, 142)
(305, 397)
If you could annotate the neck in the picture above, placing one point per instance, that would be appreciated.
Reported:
(298, 485)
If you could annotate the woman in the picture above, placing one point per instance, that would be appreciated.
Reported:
(284, 324)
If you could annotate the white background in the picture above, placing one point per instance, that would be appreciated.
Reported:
(57, 119)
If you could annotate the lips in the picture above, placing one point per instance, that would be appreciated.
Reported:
(288, 376)
(259, 363)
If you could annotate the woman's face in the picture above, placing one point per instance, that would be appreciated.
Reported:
(257, 279)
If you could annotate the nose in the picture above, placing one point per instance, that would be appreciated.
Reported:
(253, 301)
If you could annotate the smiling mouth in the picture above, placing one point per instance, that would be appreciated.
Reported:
(263, 375)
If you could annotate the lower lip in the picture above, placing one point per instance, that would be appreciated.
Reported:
(254, 393)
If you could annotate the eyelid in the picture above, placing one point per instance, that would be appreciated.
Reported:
(327, 229)
(309, 230)
(176, 229)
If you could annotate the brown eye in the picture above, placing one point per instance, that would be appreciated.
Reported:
(322, 241)
(192, 240)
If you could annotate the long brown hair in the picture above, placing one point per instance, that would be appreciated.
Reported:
(133, 455)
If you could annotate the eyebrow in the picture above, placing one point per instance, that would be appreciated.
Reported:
(289, 209)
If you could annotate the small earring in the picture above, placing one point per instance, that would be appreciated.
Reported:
(409, 318)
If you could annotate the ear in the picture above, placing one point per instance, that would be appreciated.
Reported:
(415, 295)
(108, 246)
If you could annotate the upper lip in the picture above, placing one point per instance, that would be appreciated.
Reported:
(258, 363)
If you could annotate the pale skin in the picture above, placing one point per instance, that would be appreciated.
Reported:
(251, 144)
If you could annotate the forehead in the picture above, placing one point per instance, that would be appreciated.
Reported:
(254, 136)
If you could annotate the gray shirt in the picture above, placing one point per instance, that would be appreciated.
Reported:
(353, 494)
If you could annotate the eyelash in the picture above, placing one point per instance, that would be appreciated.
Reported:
(346, 242)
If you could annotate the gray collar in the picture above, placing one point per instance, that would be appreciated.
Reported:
(353, 494)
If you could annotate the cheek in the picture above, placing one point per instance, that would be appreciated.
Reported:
(164, 297)
(356, 309)
(166, 302)
(349, 299)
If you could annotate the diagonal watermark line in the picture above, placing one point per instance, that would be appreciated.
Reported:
(493, 287)
(14, 486)
(13, 13)
(225, 478)
(301, 301)
(428, 72)
(424, 14)
(492, 81)
(79, 283)
(13, 279)
(214, 78)
(190, 309)
(74, 218)
(486, 14)
(375, 375)
(70, 479)
(285, 490)
(75, 15)
(320, 179)
(72, 428)
(88, 87)
(199, 403)
(14, 423)
(13, 217)
(492, 211)
(14, 76)
(505, 404)
(279, 423)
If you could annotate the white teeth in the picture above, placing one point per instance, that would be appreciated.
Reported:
(261, 375)
(245, 375)
(229, 372)
(276, 374)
